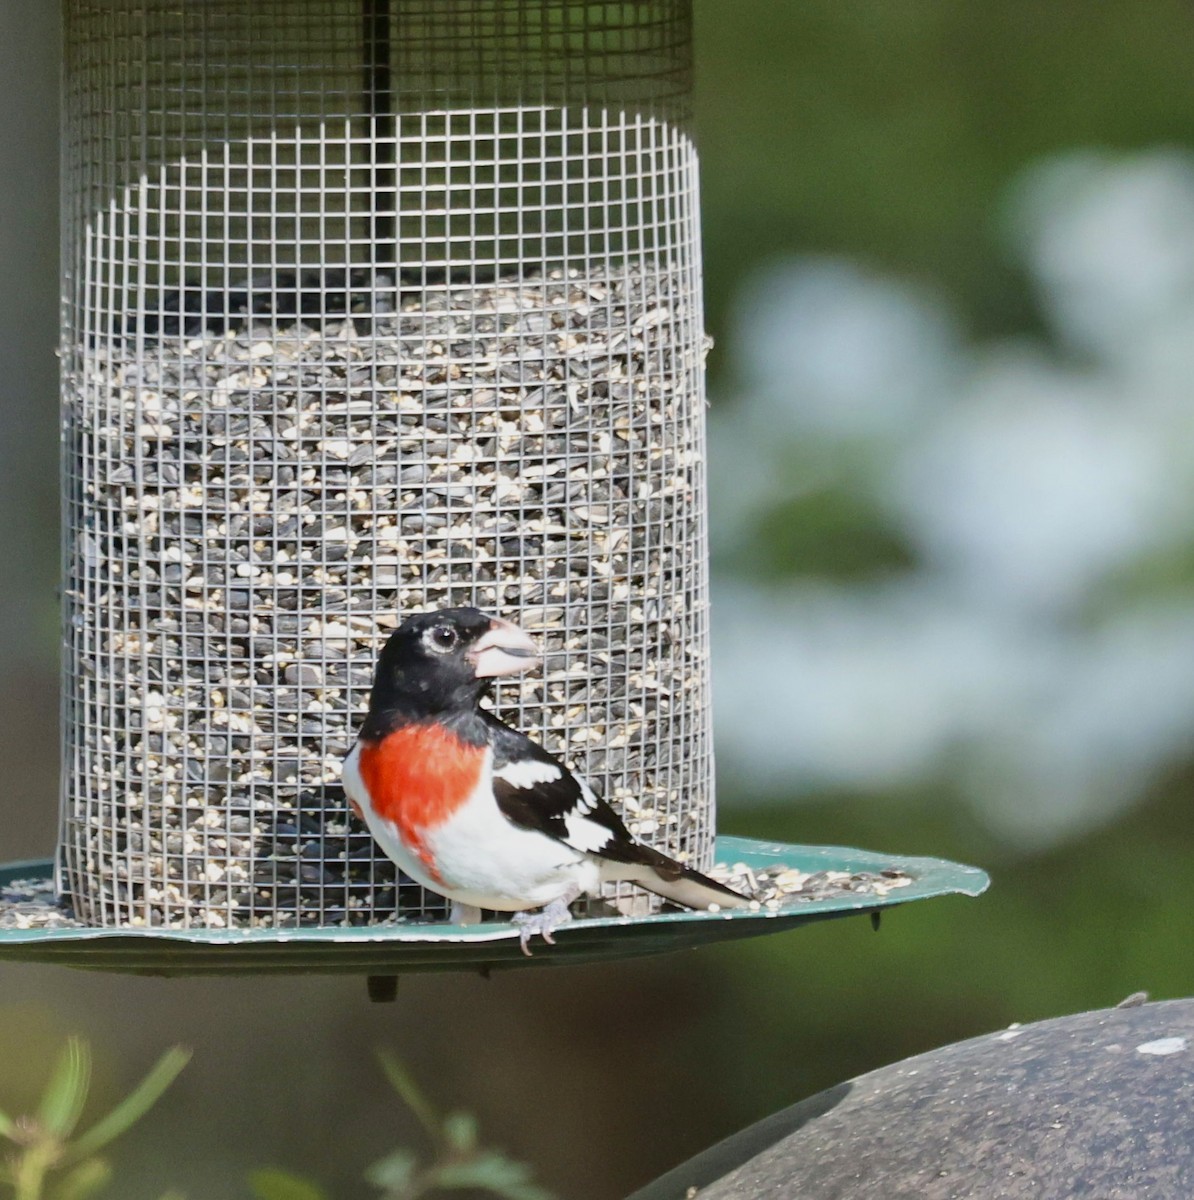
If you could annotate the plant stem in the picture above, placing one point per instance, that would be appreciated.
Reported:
(30, 1171)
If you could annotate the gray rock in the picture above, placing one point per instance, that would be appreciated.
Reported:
(1093, 1105)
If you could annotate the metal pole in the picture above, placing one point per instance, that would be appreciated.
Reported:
(379, 97)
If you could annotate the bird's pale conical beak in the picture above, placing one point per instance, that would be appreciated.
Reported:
(503, 650)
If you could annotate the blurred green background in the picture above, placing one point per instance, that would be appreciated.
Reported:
(950, 275)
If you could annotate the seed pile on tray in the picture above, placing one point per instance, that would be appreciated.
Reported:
(780, 885)
(32, 904)
(254, 507)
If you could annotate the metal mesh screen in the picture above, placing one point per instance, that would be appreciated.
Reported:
(371, 307)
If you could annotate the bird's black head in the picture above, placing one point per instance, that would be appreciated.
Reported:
(442, 662)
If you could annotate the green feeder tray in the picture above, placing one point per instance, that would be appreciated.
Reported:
(391, 950)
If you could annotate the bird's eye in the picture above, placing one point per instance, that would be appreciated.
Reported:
(443, 637)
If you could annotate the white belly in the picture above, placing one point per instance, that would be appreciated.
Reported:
(482, 858)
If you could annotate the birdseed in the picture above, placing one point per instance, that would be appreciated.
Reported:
(32, 903)
(252, 508)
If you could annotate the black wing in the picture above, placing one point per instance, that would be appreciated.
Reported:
(536, 791)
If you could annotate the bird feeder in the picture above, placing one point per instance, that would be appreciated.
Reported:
(370, 307)
(373, 307)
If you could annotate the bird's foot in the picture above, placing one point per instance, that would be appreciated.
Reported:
(544, 922)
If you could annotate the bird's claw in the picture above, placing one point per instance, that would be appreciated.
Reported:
(544, 923)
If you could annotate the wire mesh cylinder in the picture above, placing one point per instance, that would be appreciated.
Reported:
(371, 307)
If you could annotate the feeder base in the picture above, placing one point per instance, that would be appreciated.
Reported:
(390, 950)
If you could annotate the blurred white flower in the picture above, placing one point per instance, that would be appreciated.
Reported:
(1049, 734)
(1110, 241)
(827, 349)
(1117, 713)
(1038, 483)
(1027, 485)
(867, 688)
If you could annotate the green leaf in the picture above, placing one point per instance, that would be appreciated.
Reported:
(86, 1179)
(174, 1196)
(460, 1133)
(66, 1093)
(494, 1172)
(133, 1107)
(8, 1127)
(408, 1090)
(272, 1184)
(395, 1171)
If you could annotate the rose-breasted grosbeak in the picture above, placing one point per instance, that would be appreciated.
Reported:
(473, 809)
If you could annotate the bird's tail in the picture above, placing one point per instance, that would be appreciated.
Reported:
(693, 890)
(674, 881)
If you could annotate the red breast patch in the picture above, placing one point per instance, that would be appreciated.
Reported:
(417, 777)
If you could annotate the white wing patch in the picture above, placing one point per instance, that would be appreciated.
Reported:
(586, 835)
(527, 772)
(588, 799)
